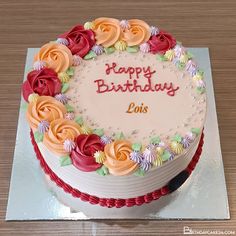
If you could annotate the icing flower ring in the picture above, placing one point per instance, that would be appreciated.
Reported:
(83, 155)
(59, 131)
(107, 31)
(43, 82)
(56, 56)
(44, 108)
(54, 121)
(137, 33)
(117, 158)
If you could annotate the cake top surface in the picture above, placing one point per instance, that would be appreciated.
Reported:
(116, 97)
(137, 95)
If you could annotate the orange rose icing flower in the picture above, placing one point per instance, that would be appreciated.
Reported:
(56, 56)
(117, 158)
(45, 108)
(137, 33)
(59, 131)
(107, 31)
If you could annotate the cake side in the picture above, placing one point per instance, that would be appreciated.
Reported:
(75, 198)
(125, 186)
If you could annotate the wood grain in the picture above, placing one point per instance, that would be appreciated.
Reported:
(201, 23)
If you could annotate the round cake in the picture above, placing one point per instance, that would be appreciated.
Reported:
(116, 111)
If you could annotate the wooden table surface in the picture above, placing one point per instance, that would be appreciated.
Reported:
(206, 23)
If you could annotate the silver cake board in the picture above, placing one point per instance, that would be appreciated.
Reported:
(202, 196)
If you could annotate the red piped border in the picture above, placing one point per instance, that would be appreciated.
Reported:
(112, 202)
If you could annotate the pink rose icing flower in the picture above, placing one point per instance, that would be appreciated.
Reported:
(161, 42)
(43, 82)
(118, 158)
(56, 56)
(137, 33)
(80, 40)
(60, 131)
(107, 31)
(83, 155)
(45, 108)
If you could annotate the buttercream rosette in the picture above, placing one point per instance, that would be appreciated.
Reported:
(83, 155)
(59, 131)
(45, 108)
(43, 82)
(80, 40)
(107, 31)
(56, 56)
(137, 33)
(161, 42)
(118, 158)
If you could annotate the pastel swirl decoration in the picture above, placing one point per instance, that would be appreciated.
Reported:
(107, 31)
(59, 131)
(117, 158)
(137, 33)
(83, 155)
(57, 56)
(45, 108)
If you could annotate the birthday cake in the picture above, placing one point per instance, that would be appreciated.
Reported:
(116, 111)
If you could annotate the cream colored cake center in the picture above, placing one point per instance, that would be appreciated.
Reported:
(136, 94)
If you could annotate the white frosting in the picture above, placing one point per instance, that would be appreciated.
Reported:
(125, 186)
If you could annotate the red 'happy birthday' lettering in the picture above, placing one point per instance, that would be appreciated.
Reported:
(132, 84)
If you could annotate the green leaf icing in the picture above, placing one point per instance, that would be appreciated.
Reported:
(201, 72)
(180, 65)
(79, 120)
(119, 136)
(139, 172)
(177, 138)
(103, 171)
(137, 147)
(109, 50)
(65, 161)
(70, 71)
(38, 137)
(65, 87)
(190, 55)
(91, 54)
(69, 108)
(155, 140)
(99, 132)
(24, 106)
(165, 156)
(195, 131)
(201, 90)
(132, 49)
(161, 57)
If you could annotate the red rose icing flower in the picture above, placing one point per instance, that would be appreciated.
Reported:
(43, 82)
(161, 42)
(80, 40)
(82, 156)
